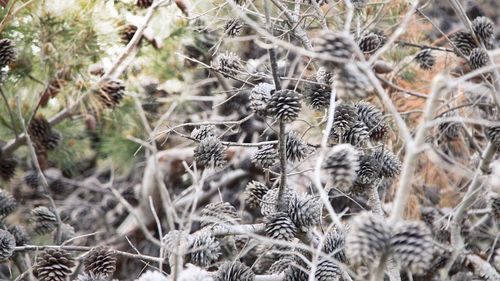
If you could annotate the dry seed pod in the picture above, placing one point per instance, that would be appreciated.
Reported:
(296, 149)
(7, 168)
(45, 220)
(100, 261)
(53, 265)
(7, 204)
(7, 245)
(280, 226)
(254, 192)
(265, 157)
(425, 59)
(7, 52)
(342, 162)
(219, 213)
(305, 212)
(234, 271)
(203, 249)
(210, 153)
(285, 105)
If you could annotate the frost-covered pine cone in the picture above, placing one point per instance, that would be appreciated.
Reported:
(368, 239)
(493, 135)
(370, 43)
(285, 105)
(100, 261)
(7, 204)
(342, 162)
(53, 265)
(280, 226)
(305, 211)
(219, 213)
(7, 52)
(367, 172)
(110, 92)
(259, 98)
(484, 29)
(334, 44)
(228, 63)
(296, 273)
(210, 153)
(254, 192)
(328, 271)
(234, 271)
(45, 220)
(334, 244)
(352, 83)
(7, 168)
(345, 117)
(233, 27)
(463, 42)
(265, 157)
(7, 245)
(281, 265)
(412, 246)
(20, 235)
(317, 95)
(269, 205)
(203, 249)
(357, 135)
(373, 118)
(425, 59)
(478, 58)
(203, 132)
(296, 149)
(494, 202)
(391, 165)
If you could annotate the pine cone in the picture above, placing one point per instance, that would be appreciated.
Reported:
(296, 149)
(463, 43)
(7, 52)
(484, 29)
(478, 58)
(449, 130)
(412, 245)
(259, 98)
(357, 135)
(228, 64)
(328, 271)
(7, 204)
(7, 168)
(128, 33)
(269, 204)
(53, 265)
(144, 3)
(32, 179)
(20, 235)
(7, 245)
(45, 220)
(493, 135)
(342, 163)
(111, 92)
(40, 131)
(280, 226)
(52, 141)
(281, 265)
(203, 249)
(335, 44)
(219, 213)
(425, 59)
(345, 117)
(373, 118)
(254, 192)
(317, 95)
(370, 43)
(494, 203)
(334, 244)
(352, 83)
(234, 271)
(368, 239)
(305, 212)
(233, 27)
(265, 157)
(203, 132)
(367, 172)
(210, 153)
(295, 273)
(285, 105)
(324, 76)
(100, 261)
(391, 166)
